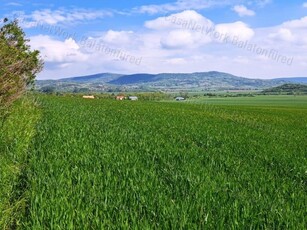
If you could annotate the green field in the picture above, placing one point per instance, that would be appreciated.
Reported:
(212, 163)
(265, 101)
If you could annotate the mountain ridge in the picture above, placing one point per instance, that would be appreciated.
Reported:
(211, 80)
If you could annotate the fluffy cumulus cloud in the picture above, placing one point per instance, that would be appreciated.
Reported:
(283, 34)
(191, 29)
(182, 30)
(297, 24)
(178, 39)
(80, 57)
(58, 51)
(187, 19)
(118, 37)
(291, 32)
(237, 30)
(243, 11)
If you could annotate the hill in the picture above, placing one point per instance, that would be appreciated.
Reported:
(287, 89)
(95, 82)
(299, 80)
(99, 78)
(200, 81)
(205, 80)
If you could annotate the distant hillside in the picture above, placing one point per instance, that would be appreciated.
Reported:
(201, 81)
(101, 77)
(208, 80)
(287, 89)
(299, 80)
(134, 79)
(91, 83)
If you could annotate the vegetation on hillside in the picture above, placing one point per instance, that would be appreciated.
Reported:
(202, 81)
(289, 89)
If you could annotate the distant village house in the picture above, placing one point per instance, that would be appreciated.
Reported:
(179, 98)
(133, 98)
(120, 97)
(89, 97)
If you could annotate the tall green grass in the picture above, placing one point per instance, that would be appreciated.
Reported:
(145, 165)
(282, 101)
(16, 133)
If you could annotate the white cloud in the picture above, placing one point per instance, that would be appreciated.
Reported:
(58, 51)
(238, 30)
(290, 33)
(176, 61)
(118, 37)
(187, 29)
(180, 5)
(14, 4)
(187, 19)
(54, 17)
(64, 65)
(243, 11)
(299, 23)
(283, 34)
(177, 39)
(262, 3)
(190, 29)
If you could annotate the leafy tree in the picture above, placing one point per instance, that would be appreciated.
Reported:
(18, 63)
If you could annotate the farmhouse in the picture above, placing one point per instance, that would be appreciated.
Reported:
(133, 98)
(89, 97)
(120, 97)
(179, 98)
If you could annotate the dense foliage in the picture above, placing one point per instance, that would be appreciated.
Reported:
(18, 63)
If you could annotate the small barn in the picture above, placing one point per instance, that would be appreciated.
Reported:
(89, 97)
(179, 98)
(133, 98)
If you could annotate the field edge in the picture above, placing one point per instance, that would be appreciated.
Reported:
(16, 136)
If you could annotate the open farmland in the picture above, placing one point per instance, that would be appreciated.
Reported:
(281, 101)
(97, 164)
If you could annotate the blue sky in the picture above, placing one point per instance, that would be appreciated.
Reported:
(249, 38)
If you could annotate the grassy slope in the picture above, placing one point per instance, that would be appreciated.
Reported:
(15, 137)
(115, 164)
